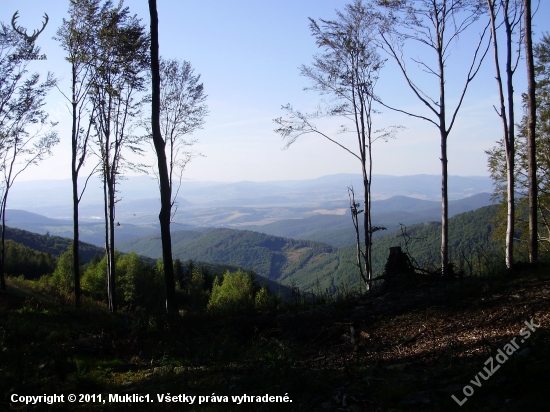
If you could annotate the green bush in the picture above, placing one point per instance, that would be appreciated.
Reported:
(135, 281)
(137, 284)
(94, 279)
(235, 293)
(63, 277)
(264, 301)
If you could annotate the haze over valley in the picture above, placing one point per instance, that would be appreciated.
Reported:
(316, 209)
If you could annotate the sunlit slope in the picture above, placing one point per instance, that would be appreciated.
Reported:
(308, 264)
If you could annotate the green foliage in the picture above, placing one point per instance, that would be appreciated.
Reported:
(308, 264)
(54, 245)
(94, 279)
(195, 292)
(22, 260)
(63, 276)
(265, 301)
(470, 241)
(235, 293)
(136, 282)
(497, 158)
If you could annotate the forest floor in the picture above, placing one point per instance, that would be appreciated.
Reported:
(412, 348)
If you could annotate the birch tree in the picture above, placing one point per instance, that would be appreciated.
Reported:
(512, 15)
(434, 25)
(26, 135)
(347, 70)
(497, 161)
(531, 129)
(182, 112)
(77, 37)
(121, 61)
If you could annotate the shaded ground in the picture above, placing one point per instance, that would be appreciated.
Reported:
(410, 348)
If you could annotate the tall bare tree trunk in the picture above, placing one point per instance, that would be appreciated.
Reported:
(164, 180)
(74, 176)
(507, 117)
(111, 260)
(444, 172)
(355, 219)
(510, 150)
(444, 207)
(110, 275)
(531, 145)
(76, 257)
(368, 266)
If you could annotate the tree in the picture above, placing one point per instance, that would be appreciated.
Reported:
(178, 109)
(23, 138)
(182, 112)
(532, 155)
(497, 157)
(77, 37)
(512, 13)
(120, 61)
(164, 182)
(347, 71)
(234, 294)
(435, 25)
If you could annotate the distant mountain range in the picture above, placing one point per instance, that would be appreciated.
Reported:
(334, 229)
(139, 198)
(91, 232)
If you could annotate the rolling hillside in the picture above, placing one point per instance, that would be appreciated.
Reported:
(90, 232)
(338, 231)
(54, 245)
(309, 264)
(277, 258)
(22, 244)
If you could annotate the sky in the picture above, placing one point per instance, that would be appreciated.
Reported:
(248, 53)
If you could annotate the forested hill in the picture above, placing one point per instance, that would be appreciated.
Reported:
(54, 245)
(470, 236)
(307, 264)
(274, 257)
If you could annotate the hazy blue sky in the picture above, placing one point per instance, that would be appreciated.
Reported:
(248, 53)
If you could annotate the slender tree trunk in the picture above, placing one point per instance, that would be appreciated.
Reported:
(510, 150)
(76, 258)
(531, 145)
(507, 122)
(165, 189)
(369, 183)
(355, 219)
(366, 200)
(444, 174)
(107, 246)
(112, 263)
(444, 207)
(74, 175)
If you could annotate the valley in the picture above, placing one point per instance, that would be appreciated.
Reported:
(305, 245)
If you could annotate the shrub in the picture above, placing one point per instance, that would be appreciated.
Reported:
(135, 280)
(263, 300)
(63, 277)
(235, 293)
(94, 279)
